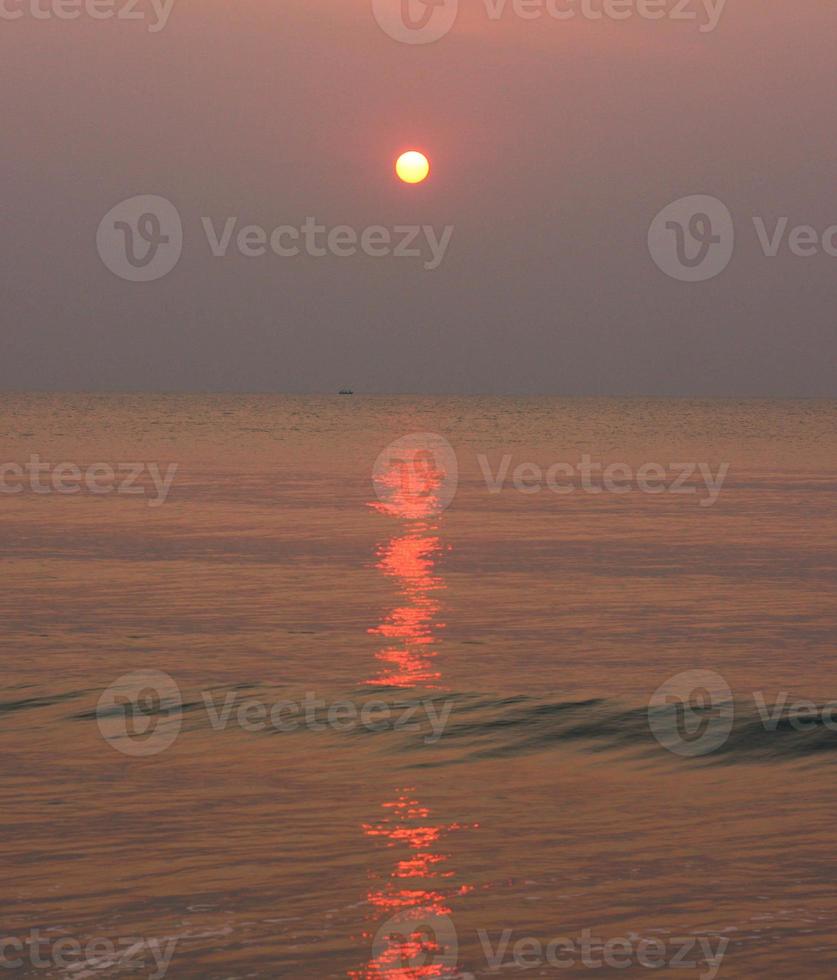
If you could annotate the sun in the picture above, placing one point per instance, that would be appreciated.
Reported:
(412, 167)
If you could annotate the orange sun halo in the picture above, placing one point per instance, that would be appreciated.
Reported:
(412, 167)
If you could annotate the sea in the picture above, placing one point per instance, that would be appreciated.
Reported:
(399, 687)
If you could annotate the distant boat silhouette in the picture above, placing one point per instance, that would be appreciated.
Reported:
(345, 391)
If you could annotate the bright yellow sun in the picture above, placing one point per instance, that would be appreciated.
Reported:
(412, 167)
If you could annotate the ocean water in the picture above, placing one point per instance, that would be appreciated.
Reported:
(350, 704)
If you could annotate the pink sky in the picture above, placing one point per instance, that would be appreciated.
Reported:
(554, 144)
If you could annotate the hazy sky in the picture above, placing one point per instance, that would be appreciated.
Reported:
(553, 142)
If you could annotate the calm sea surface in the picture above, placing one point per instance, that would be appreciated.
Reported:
(447, 732)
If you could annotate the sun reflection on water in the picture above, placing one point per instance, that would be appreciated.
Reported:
(411, 484)
(410, 907)
(408, 656)
(413, 942)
